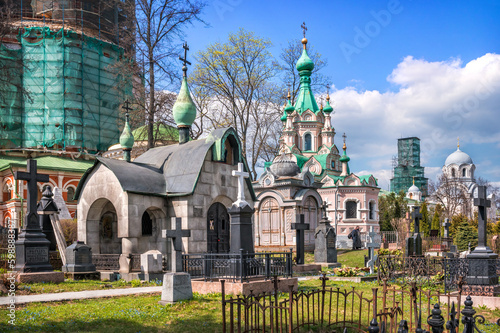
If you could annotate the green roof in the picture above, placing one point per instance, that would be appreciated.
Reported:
(47, 163)
(322, 160)
(161, 131)
(301, 160)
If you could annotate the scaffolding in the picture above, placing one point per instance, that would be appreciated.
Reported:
(407, 169)
(72, 98)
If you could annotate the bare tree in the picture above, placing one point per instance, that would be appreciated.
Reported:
(159, 28)
(289, 74)
(452, 194)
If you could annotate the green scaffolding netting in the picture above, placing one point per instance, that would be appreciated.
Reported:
(71, 99)
(409, 169)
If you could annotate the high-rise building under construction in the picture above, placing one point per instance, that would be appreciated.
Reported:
(407, 169)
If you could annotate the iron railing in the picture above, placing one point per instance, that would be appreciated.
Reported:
(408, 269)
(332, 309)
(106, 262)
(457, 269)
(240, 266)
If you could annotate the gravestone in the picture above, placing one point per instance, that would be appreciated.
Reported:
(79, 260)
(372, 245)
(176, 285)
(446, 226)
(151, 265)
(241, 213)
(45, 208)
(483, 278)
(414, 242)
(32, 247)
(300, 226)
(325, 250)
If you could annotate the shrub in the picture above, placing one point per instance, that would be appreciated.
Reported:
(70, 230)
(387, 252)
(350, 271)
(135, 283)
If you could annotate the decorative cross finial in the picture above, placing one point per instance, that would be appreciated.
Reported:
(413, 180)
(458, 142)
(127, 108)
(304, 29)
(184, 60)
(344, 136)
(327, 92)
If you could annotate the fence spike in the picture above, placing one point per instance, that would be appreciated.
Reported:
(452, 324)
(403, 326)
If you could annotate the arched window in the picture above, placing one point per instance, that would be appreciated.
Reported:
(463, 172)
(307, 142)
(371, 207)
(147, 224)
(351, 208)
(333, 164)
(71, 194)
(453, 172)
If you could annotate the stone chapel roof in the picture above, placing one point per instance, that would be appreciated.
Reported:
(168, 170)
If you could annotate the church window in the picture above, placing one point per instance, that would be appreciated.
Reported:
(333, 164)
(147, 224)
(307, 118)
(463, 172)
(71, 194)
(453, 172)
(371, 207)
(351, 209)
(308, 142)
(6, 193)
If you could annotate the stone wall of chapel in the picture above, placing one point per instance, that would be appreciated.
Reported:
(215, 184)
(89, 209)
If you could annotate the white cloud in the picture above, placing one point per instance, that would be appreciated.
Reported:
(435, 101)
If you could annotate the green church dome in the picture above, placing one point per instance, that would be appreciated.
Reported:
(127, 138)
(184, 110)
(328, 108)
(304, 63)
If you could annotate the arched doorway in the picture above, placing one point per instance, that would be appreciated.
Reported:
(102, 228)
(270, 222)
(217, 229)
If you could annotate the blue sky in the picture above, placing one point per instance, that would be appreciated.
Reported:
(425, 68)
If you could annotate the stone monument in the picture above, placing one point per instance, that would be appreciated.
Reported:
(63, 209)
(372, 245)
(45, 208)
(414, 242)
(325, 251)
(151, 265)
(79, 262)
(176, 285)
(32, 248)
(241, 230)
(300, 227)
(482, 278)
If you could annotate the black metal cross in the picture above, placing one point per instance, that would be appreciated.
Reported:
(344, 136)
(32, 178)
(300, 227)
(126, 106)
(176, 236)
(482, 204)
(304, 28)
(417, 216)
(184, 60)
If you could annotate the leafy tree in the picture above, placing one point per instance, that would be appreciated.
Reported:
(436, 222)
(235, 77)
(392, 212)
(424, 224)
(465, 234)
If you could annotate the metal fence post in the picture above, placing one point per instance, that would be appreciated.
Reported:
(469, 317)
(267, 266)
(373, 328)
(242, 264)
(223, 289)
(436, 320)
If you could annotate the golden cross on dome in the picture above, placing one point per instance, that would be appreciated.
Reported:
(458, 142)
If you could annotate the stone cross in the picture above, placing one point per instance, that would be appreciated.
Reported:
(372, 245)
(324, 207)
(241, 174)
(176, 236)
(482, 204)
(446, 226)
(299, 228)
(32, 178)
(417, 216)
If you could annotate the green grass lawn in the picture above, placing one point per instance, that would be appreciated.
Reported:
(351, 258)
(144, 314)
(71, 285)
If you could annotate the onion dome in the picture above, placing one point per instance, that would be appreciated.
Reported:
(127, 138)
(458, 157)
(284, 167)
(184, 110)
(304, 63)
(289, 107)
(344, 157)
(328, 108)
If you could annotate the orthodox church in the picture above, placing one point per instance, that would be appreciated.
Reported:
(310, 172)
(124, 205)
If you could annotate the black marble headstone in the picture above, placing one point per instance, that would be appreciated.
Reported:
(79, 258)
